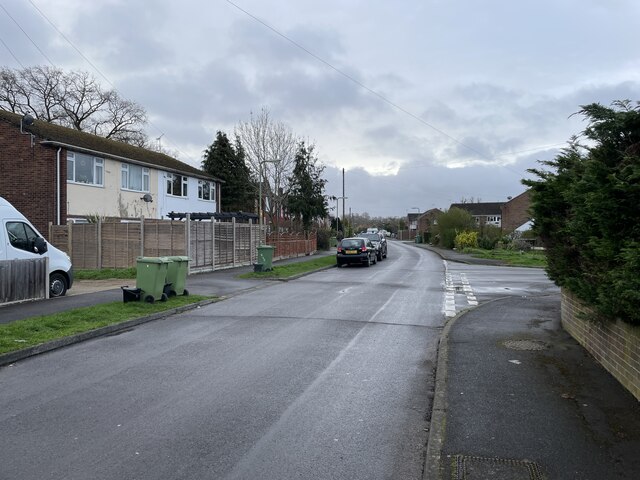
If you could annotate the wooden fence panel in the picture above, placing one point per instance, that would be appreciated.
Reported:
(224, 245)
(84, 245)
(23, 279)
(120, 244)
(164, 238)
(211, 246)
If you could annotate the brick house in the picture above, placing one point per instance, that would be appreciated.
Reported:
(507, 215)
(426, 222)
(515, 212)
(51, 173)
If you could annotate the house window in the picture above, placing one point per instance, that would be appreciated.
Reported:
(495, 219)
(176, 185)
(83, 168)
(206, 190)
(135, 177)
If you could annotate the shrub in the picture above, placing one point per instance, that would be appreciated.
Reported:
(322, 238)
(586, 211)
(450, 223)
(487, 243)
(466, 240)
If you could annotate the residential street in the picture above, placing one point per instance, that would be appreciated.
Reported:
(329, 376)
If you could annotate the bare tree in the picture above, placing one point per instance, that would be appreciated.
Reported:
(270, 149)
(73, 99)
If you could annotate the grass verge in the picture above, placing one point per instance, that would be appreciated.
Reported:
(293, 269)
(533, 258)
(105, 274)
(34, 331)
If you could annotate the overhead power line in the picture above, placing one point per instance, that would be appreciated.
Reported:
(84, 57)
(26, 35)
(377, 94)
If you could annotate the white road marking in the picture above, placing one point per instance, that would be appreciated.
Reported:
(456, 282)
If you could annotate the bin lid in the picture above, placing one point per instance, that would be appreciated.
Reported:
(178, 258)
(152, 260)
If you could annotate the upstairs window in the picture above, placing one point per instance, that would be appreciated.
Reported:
(135, 177)
(176, 185)
(83, 168)
(206, 190)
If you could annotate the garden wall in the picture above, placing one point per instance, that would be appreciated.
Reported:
(614, 344)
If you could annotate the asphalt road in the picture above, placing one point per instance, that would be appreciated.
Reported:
(326, 377)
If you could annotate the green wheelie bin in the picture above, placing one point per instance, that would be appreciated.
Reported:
(177, 272)
(265, 259)
(151, 275)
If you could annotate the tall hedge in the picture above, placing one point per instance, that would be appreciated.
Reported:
(586, 209)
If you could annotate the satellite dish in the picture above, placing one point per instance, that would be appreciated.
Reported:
(27, 120)
(147, 198)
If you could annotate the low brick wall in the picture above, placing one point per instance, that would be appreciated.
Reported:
(614, 344)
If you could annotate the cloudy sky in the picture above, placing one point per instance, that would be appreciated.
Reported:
(422, 102)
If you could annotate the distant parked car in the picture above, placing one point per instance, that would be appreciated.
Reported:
(356, 250)
(379, 242)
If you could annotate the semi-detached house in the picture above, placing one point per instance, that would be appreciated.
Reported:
(52, 173)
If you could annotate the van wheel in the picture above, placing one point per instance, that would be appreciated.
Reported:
(57, 285)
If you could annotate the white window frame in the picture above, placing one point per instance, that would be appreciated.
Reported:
(98, 169)
(170, 180)
(202, 185)
(125, 173)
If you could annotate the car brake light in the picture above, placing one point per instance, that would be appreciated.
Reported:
(364, 248)
(339, 249)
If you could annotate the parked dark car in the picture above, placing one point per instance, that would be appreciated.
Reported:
(379, 242)
(356, 250)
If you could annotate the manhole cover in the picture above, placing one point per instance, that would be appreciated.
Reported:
(480, 468)
(525, 344)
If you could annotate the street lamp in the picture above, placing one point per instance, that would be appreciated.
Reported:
(343, 199)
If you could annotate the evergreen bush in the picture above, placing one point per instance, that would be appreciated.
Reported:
(586, 211)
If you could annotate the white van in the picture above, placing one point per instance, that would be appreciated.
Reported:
(19, 239)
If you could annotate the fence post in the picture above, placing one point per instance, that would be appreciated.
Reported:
(99, 244)
(251, 246)
(187, 236)
(142, 235)
(70, 240)
(233, 223)
(213, 243)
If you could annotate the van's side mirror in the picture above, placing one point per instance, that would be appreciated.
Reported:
(39, 246)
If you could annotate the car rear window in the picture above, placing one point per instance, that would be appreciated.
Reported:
(351, 243)
(371, 236)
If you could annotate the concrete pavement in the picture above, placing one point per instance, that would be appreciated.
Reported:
(517, 398)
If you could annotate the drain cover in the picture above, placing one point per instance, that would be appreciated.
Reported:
(525, 344)
(480, 468)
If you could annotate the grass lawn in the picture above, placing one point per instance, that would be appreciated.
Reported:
(34, 331)
(105, 274)
(292, 269)
(533, 258)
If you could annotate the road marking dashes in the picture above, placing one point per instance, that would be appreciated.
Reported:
(456, 283)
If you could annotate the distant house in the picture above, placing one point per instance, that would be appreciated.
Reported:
(412, 221)
(52, 173)
(427, 221)
(507, 215)
(515, 213)
(483, 213)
